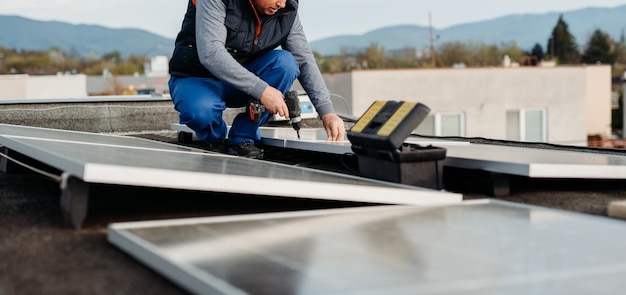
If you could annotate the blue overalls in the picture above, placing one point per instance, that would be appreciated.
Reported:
(200, 101)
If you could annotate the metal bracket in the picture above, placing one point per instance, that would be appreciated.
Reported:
(8, 166)
(501, 184)
(74, 200)
(4, 162)
(185, 137)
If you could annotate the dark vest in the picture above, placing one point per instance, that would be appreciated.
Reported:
(241, 41)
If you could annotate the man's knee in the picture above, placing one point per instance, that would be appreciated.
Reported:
(202, 111)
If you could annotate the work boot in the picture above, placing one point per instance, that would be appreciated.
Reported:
(246, 149)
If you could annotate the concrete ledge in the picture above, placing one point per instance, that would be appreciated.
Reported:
(115, 114)
(100, 98)
(129, 113)
(617, 209)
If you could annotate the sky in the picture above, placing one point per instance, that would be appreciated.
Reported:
(320, 18)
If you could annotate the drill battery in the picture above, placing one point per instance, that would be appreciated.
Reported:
(255, 110)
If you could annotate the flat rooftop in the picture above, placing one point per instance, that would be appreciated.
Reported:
(42, 255)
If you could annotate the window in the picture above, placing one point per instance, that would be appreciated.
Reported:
(529, 125)
(450, 124)
(443, 124)
(427, 127)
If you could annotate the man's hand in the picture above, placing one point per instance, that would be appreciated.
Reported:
(335, 128)
(274, 102)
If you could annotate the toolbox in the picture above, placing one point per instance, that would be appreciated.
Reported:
(378, 137)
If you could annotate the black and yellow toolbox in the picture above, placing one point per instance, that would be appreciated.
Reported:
(378, 137)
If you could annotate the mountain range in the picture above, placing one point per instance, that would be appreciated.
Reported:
(525, 30)
(26, 34)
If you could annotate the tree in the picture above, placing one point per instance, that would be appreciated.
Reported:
(487, 55)
(456, 53)
(600, 49)
(537, 51)
(512, 50)
(112, 56)
(620, 49)
(562, 44)
(374, 57)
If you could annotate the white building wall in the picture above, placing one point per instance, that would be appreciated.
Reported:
(60, 86)
(13, 86)
(29, 87)
(599, 101)
(574, 96)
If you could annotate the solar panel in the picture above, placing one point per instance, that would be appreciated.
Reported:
(522, 161)
(537, 163)
(121, 160)
(502, 161)
(314, 139)
(477, 247)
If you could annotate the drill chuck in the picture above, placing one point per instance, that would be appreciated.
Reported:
(293, 104)
(295, 122)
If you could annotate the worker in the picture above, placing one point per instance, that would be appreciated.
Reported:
(227, 54)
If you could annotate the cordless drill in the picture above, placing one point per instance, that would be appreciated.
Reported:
(293, 104)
